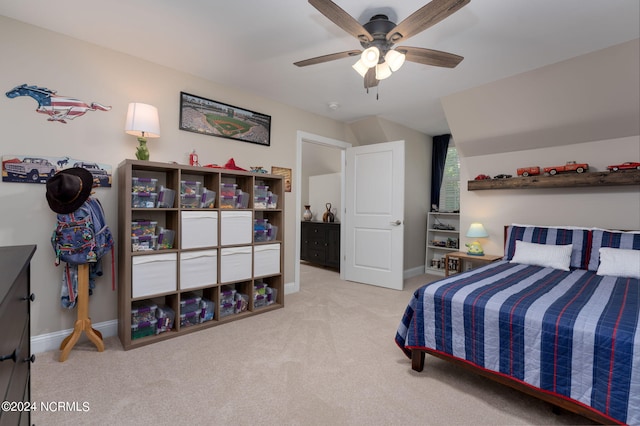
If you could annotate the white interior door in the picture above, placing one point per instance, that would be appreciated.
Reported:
(374, 202)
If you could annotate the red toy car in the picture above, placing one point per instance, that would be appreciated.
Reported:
(629, 165)
(571, 166)
(528, 171)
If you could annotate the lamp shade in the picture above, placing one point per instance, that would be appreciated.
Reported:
(361, 68)
(370, 56)
(142, 120)
(395, 59)
(383, 71)
(476, 230)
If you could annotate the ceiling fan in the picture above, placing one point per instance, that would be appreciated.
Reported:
(379, 36)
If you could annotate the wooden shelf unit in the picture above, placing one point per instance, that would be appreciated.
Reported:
(170, 176)
(564, 180)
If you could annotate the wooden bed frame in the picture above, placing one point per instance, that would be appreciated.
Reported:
(417, 364)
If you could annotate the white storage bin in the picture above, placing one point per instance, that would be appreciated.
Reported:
(266, 259)
(199, 229)
(236, 227)
(198, 268)
(153, 274)
(235, 264)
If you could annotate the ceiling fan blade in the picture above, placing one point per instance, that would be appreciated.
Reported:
(435, 58)
(342, 19)
(423, 18)
(327, 58)
(370, 79)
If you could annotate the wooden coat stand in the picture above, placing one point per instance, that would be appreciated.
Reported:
(83, 323)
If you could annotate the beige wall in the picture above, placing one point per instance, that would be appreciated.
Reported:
(77, 69)
(584, 109)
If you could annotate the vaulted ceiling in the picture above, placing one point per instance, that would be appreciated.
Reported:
(252, 45)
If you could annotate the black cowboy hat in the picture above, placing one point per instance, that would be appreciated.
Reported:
(68, 189)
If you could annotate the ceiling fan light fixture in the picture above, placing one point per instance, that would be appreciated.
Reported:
(360, 68)
(395, 59)
(383, 71)
(370, 56)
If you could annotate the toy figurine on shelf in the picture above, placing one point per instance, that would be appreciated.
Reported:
(193, 159)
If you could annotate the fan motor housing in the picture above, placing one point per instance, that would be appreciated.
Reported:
(378, 26)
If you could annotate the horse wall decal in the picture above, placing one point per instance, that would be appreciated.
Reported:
(58, 108)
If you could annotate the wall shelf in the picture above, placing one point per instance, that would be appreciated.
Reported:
(568, 180)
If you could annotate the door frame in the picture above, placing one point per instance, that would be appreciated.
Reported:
(305, 137)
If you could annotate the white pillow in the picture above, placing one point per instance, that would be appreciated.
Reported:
(547, 255)
(618, 262)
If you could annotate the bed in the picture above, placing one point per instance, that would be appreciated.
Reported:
(556, 318)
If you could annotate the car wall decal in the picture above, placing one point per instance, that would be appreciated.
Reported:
(39, 168)
(58, 108)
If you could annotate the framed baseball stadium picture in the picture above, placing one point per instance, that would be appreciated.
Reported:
(208, 117)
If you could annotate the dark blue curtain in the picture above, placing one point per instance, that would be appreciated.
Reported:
(438, 158)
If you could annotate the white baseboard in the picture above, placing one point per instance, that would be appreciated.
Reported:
(413, 272)
(51, 341)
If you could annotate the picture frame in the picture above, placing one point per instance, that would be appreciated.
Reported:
(283, 171)
(213, 118)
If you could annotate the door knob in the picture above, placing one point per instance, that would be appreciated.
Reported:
(396, 223)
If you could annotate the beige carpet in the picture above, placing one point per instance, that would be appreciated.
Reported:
(327, 358)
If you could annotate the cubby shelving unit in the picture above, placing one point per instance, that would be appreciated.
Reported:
(218, 239)
(441, 240)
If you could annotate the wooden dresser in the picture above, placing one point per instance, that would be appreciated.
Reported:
(320, 243)
(15, 333)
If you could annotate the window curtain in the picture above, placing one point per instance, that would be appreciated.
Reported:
(438, 158)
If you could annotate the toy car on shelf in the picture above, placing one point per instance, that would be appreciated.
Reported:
(629, 165)
(571, 166)
(502, 176)
(482, 177)
(528, 171)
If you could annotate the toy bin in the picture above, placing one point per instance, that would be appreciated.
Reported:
(166, 197)
(189, 302)
(227, 309)
(272, 201)
(227, 295)
(153, 274)
(272, 295)
(143, 311)
(228, 201)
(165, 316)
(189, 187)
(266, 259)
(260, 202)
(190, 318)
(242, 302)
(144, 200)
(260, 236)
(208, 310)
(199, 229)
(144, 243)
(165, 238)
(235, 264)
(272, 233)
(139, 184)
(236, 227)
(260, 287)
(198, 268)
(143, 227)
(260, 190)
(259, 301)
(189, 201)
(242, 201)
(143, 329)
(228, 189)
(207, 199)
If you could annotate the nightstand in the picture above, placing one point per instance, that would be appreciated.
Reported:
(453, 261)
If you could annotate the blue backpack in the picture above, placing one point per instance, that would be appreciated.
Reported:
(82, 236)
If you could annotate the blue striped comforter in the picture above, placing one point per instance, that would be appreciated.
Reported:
(574, 334)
